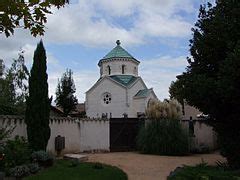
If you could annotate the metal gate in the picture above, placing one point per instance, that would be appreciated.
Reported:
(123, 133)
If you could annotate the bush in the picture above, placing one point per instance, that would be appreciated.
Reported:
(19, 171)
(202, 172)
(33, 168)
(43, 158)
(16, 152)
(163, 137)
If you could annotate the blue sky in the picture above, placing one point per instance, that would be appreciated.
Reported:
(156, 32)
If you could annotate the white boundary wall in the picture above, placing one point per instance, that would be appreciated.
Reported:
(204, 135)
(80, 135)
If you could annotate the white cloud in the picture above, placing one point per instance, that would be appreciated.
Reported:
(93, 23)
(159, 73)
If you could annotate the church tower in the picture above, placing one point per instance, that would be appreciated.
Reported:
(118, 62)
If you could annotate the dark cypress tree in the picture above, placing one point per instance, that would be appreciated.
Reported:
(38, 103)
(65, 93)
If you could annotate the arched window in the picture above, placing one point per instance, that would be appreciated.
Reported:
(135, 70)
(123, 69)
(109, 70)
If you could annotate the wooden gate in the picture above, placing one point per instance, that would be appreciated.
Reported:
(123, 132)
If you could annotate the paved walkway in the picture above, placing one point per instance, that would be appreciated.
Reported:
(150, 167)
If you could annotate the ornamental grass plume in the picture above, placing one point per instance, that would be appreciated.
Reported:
(168, 109)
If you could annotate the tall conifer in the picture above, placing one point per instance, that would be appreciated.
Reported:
(38, 102)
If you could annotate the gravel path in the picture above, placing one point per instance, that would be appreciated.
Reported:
(150, 167)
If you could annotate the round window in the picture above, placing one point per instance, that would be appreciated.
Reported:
(107, 98)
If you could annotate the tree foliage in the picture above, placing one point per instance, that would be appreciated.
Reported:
(27, 14)
(212, 79)
(14, 88)
(38, 103)
(65, 93)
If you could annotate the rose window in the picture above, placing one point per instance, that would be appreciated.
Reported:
(107, 98)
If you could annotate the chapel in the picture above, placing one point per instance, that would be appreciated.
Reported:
(120, 91)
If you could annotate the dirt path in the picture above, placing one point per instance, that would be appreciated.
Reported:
(150, 167)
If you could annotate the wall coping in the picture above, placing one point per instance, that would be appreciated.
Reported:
(52, 118)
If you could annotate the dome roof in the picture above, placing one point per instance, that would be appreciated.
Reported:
(117, 52)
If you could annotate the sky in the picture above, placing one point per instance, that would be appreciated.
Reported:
(155, 32)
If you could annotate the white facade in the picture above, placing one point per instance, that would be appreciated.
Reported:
(119, 90)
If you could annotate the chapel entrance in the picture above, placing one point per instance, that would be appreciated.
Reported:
(123, 133)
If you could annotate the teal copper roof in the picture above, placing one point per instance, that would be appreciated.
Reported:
(142, 93)
(125, 80)
(118, 52)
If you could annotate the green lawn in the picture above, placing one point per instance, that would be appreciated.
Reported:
(62, 170)
(204, 172)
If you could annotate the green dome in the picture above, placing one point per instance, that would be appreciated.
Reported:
(118, 52)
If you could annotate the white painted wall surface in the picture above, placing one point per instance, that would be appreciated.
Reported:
(68, 129)
(131, 67)
(190, 111)
(95, 105)
(132, 91)
(94, 135)
(204, 134)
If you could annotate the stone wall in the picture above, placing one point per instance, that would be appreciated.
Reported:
(80, 135)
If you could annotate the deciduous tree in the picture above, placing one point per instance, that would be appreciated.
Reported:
(27, 14)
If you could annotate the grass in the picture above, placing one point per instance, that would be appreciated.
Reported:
(65, 170)
(204, 172)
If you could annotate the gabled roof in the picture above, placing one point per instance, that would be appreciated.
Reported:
(125, 80)
(145, 93)
(118, 52)
(142, 93)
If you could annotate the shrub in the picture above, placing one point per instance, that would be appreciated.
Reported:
(33, 168)
(202, 172)
(163, 134)
(16, 152)
(43, 158)
(19, 171)
(164, 137)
